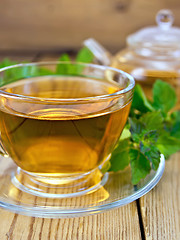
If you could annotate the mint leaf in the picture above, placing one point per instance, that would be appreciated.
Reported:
(140, 165)
(64, 58)
(152, 153)
(175, 130)
(120, 156)
(7, 62)
(146, 126)
(136, 126)
(64, 69)
(175, 116)
(137, 129)
(168, 145)
(85, 56)
(164, 96)
(125, 133)
(140, 102)
(5, 79)
(16, 73)
(152, 120)
(44, 72)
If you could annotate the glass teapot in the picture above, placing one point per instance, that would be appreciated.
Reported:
(152, 53)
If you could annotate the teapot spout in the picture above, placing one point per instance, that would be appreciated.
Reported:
(100, 53)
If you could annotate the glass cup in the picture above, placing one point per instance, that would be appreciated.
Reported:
(59, 123)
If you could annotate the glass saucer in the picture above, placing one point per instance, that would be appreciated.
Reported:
(116, 192)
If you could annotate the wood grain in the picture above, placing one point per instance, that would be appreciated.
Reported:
(161, 207)
(56, 24)
(120, 223)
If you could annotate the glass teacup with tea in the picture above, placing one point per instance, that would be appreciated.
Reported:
(59, 122)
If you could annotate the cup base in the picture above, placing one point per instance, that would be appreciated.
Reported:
(58, 186)
(117, 191)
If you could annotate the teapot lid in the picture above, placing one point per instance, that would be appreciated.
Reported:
(160, 37)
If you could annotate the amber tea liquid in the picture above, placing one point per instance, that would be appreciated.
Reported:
(54, 139)
(146, 78)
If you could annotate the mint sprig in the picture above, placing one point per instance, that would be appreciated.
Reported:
(154, 129)
(164, 96)
(13, 74)
(83, 56)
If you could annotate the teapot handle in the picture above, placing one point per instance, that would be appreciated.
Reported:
(100, 53)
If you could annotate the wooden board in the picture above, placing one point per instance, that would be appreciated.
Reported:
(161, 207)
(117, 224)
(56, 24)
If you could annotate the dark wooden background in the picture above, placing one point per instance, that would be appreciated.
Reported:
(50, 25)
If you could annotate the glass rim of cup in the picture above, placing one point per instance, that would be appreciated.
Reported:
(69, 100)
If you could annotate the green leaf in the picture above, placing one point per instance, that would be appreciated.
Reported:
(125, 134)
(120, 156)
(175, 116)
(152, 120)
(175, 131)
(7, 62)
(151, 136)
(64, 58)
(164, 96)
(85, 56)
(44, 72)
(145, 126)
(168, 145)
(136, 126)
(140, 165)
(136, 129)
(64, 69)
(140, 102)
(16, 73)
(152, 153)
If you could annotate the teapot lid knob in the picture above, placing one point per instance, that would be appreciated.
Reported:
(164, 19)
(161, 39)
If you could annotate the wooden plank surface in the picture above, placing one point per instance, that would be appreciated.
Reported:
(121, 223)
(55, 24)
(161, 207)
